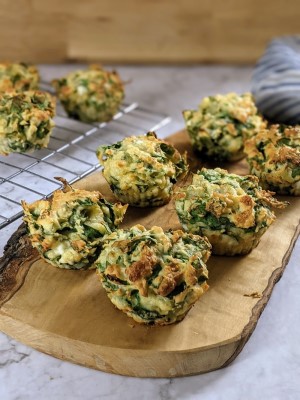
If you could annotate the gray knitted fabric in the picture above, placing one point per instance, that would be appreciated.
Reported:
(276, 81)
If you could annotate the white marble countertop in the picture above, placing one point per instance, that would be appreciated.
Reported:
(269, 364)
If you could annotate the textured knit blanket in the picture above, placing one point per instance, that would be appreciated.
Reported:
(276, 81)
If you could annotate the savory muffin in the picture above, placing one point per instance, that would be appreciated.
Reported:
(18, 77)
(274, 157)
(141, 170)
(91, 95)
(25, 121)
(218, 127)
(154, 276)
(232, 211)
(68, 229)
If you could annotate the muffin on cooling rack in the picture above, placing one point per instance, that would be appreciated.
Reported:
(153, 276)
(91, 95)
(232, 211)
(25, 121)
(18, 77)
(218, 127)
(141, 170)
(274, 157)
(68, 229)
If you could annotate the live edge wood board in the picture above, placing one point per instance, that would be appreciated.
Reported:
(67, 314)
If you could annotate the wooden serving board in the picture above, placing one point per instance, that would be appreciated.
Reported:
(68, 315)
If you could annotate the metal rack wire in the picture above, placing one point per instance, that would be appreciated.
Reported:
(70, 154)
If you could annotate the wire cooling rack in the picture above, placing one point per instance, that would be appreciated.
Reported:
(70, 154)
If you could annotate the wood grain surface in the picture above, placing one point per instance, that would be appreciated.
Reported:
(68, 315)
(143, 31)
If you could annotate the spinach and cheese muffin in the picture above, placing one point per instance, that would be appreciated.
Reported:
(153, 276)
(25, 121)
(217, 129)
(141, 170)
(274, 157)
(18, 77)
(91, 95)
(232, 211)
(68, 229)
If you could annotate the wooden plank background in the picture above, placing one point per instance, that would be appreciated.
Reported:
(143, 31)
